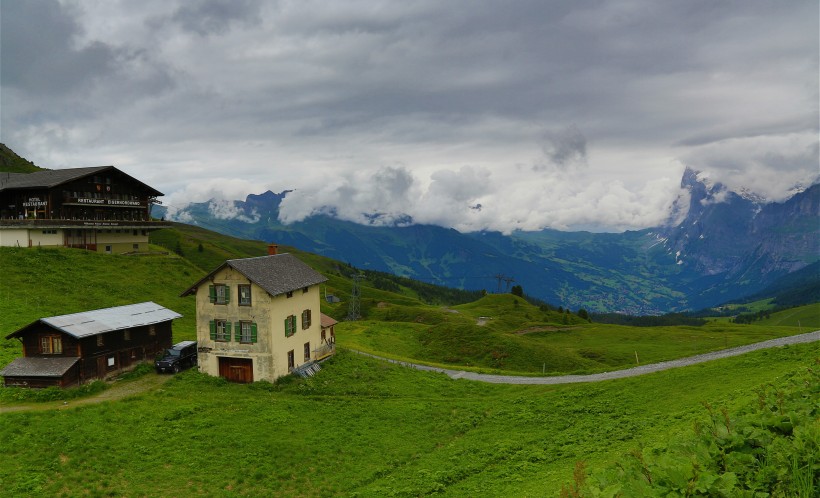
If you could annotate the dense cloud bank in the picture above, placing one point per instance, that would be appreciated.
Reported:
(475, 115)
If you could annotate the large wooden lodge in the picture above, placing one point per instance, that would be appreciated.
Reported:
(98, 209)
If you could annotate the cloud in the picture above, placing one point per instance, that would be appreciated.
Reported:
(770, 166)
(206, 17)
(475, 198)
(383, 197)
(223, 209)
(561, 114)
(220, 195)
(565, 147)
(41, 52)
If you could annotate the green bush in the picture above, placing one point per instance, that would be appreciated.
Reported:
(770, 448)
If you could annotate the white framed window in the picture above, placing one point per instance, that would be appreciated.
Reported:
(244, 295)
(220, 330)
(246, 332)
(51, 344)
(219, 294)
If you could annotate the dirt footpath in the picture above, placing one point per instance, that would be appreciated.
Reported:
(117, 390)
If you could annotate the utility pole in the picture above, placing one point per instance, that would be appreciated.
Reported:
(354, 311)
(509, 280)
(503, 278)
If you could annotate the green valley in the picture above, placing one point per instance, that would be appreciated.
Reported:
(364, 427)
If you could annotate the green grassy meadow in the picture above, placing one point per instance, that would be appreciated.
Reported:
(805, 317)
(363, 427)
(517, 337)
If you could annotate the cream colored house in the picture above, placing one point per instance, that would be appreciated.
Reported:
(259, 318)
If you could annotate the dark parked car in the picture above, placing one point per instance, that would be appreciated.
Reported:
(179, 356)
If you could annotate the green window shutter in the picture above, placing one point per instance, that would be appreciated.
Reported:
(228, 330)
(238, 332)
(253, 332)
(227, 294)
(211, 294)
(212, 324)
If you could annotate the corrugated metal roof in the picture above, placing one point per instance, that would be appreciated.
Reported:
(104, 320)
(39, 366)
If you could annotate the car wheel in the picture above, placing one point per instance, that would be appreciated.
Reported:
(176, 368)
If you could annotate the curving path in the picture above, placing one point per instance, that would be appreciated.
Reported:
(618, 374)
(117, 390)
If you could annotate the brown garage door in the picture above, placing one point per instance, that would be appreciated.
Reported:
(236, 369)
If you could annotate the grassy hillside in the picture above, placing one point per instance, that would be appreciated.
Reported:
(10, 162)
(365, 428)
(504, 332)
(805, 317)
(47, 282)
(495, 333)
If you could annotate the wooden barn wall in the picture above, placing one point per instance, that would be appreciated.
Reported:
(115, 353)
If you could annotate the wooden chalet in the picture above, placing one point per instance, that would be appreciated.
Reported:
(99, 209)
(72, 349)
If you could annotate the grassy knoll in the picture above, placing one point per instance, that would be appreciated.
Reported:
(203, 248)
(505, 333)
(364, 428)
(807, 317)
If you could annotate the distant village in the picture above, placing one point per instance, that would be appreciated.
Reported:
(257, 319)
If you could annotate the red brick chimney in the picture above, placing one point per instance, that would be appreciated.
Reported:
(272, 249)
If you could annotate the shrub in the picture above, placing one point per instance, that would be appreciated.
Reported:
(768, 449)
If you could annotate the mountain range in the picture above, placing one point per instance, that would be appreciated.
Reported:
(717, 245)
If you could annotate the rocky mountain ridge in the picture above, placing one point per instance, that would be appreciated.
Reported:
(717, 245)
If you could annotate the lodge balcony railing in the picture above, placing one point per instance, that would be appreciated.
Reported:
(74, 223)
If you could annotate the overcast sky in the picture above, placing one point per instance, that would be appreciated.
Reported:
(469, 114)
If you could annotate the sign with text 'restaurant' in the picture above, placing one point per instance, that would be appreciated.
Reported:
(107, 202)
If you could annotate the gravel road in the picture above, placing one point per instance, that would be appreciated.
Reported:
(618, 374)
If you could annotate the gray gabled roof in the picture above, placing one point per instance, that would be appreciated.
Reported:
(88, 323)
(39, 366)
(53, 177)
(276, 274)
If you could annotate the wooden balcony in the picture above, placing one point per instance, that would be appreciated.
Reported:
(324, 351)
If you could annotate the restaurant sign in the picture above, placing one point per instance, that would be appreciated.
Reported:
(108, 202)
(35, 202)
